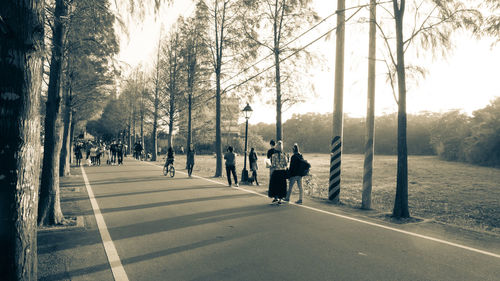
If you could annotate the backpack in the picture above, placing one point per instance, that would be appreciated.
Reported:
(304, 167)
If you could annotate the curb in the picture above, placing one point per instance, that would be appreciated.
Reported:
(79, 223)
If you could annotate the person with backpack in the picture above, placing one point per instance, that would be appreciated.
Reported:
(296, 171)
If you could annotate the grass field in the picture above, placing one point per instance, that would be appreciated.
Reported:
(448, 192)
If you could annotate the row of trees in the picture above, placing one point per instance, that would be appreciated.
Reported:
(475, 139)
(192, 61)
(270, 27)
(171, 98)
(81, 75)
(72, 78)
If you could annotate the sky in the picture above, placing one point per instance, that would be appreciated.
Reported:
(467, 79)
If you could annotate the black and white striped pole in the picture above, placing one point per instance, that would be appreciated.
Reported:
(335, 161)
(336, 152)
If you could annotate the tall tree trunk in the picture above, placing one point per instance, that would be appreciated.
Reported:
(71, 137)
(49, 209)
(219, 40)
(142, 128)
(218, 137)
(133, 128)
(171, 111)
(155, 130)
(279, 127)
(277, 26)
(366, 199)
(191, 76)
(64, 164)
(21, 37)
(189, 129)
(401, 201)
(129, 134)
(156, 103)
(170, 132)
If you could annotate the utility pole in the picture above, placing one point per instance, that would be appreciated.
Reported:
(366, 199)
(336, 152)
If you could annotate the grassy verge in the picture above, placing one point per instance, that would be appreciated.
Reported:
(448, 192)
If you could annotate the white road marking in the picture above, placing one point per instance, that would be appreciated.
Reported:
(364, 222)
(114, 260)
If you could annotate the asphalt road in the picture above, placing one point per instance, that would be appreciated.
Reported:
(193, 229)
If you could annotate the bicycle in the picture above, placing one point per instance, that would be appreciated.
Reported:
(169, 169)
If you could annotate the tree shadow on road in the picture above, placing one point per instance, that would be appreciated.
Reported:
(166, 203)
(157, 254)
(141, 192)
(63, 241)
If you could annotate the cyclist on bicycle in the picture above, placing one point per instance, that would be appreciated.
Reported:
(170, 157)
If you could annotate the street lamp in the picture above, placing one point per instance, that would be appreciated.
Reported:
(248, 112)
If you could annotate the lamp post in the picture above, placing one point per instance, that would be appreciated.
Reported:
(248, 112)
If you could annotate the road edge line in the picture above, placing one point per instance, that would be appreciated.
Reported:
(364, 221)
(114, 261)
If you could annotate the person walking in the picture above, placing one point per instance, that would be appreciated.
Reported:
(93, 155)
(108, 153)
(230, 158)
(119, 152)
(138, 150)
(88, 146)
(190, 159)
(252, 158)
(135, 150)
(98, 154)
(277, 182)
(78, 153)
(114, 152)
(295, 174)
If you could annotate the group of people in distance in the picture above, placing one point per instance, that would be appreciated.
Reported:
(96, 150)
(279, 171)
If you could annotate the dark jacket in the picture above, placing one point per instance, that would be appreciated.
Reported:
(190, 156)
(170, 153)
(270, 152)
(252, 157)
(294, 165)
(230, 159)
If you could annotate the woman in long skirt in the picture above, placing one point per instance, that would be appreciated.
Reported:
(277, 182)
